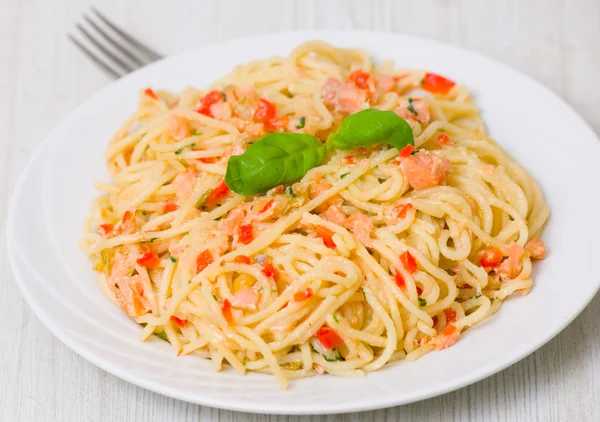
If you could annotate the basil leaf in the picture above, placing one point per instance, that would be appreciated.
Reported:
(371, 127)
(275, 159)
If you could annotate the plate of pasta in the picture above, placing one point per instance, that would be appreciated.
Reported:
(311, 222)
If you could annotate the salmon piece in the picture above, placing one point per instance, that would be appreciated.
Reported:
(234, 149)
(361, 226)
(511, 267)
(425, 169)
(446, 338)
(240, 124)
(385, 83)
(335, 215)
(316, 189)
(184, 185)
(255, 130)
(131, 295)
(418, 105)
(129, 290)
(233, 221)
(221, 110)
(350, 99)
(244, 298)
(329, 91)
(178, 127)
(536, 248)
(343, 97)
(514, 251)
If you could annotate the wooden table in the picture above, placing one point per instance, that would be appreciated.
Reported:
(43, 78)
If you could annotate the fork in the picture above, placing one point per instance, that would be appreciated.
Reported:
(119, 53)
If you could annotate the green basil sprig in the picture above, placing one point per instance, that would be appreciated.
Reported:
(281, 158)
(371, 127)
(275, 159)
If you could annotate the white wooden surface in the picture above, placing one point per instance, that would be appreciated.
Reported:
(43, 77)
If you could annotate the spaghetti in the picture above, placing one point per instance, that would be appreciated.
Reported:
(375, 255)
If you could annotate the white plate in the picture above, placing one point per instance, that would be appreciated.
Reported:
(538, 128)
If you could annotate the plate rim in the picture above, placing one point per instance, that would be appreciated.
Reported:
(231, 405)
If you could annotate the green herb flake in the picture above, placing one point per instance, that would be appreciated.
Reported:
(478, 295)
(197, 134)
(215, 298)
(302, 122)
(224, 96)
(189, 281)
(335, 318)
(180, 150)
(153, 239)
(411, 107)
(144, 212)
(173, 259)
(422, 302)
(162, 336)
(290, 191)
(344, 175)
(131, 272)
(335, 356)
(364, 293)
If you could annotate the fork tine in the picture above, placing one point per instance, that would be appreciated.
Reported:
(150, 53)
(105, 50)
(116, 45)
(111, 72)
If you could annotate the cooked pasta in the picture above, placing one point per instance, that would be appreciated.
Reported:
(374, 255)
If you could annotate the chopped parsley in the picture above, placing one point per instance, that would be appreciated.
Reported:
(335, 318)
(215, 298)
(131, 272)
(302, 122)
(153, 239)
(411, 108)
(189, 281)
(162, 336)
(364, 293)
(478, 295)
(442, 130)
(290, 191)
(180, 150)
(422, 302)
(219, 218)
(334, 357)
(144, 212)
(224, 96)
(197, 134)
(173, 259)
(344, 175)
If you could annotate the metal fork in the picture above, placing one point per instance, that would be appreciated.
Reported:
(118, 53)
